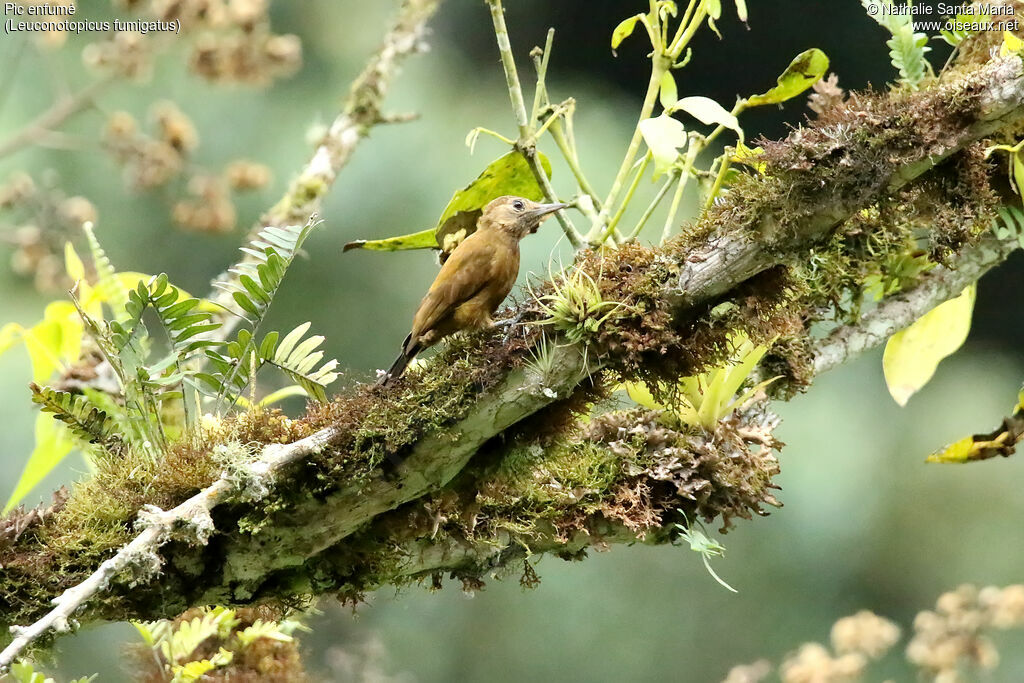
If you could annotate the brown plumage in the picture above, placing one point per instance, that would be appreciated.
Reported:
(475, 279)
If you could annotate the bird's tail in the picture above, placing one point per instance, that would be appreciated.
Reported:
(398, 367)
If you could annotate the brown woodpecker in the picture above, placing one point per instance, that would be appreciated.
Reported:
(475, 279)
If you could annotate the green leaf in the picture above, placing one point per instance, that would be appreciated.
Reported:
(510, 174)
(741, 10)
(668, 93)
(664, 136)
(53, 443)
(1018, 173)
(912, 355)
(424, 239)
(86, 421)
(291, 339)
(268, 345)
(714, 8)
(803, 72)
(709, 112)
(624, 30)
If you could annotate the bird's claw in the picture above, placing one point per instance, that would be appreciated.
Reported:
(510, 325)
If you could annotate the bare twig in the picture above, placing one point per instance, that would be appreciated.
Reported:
(62, 110)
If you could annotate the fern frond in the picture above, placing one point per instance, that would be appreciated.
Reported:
(85, 420)
(110, 287)
(257, 277)
(298, 358)
(907, 48)
(180, 319)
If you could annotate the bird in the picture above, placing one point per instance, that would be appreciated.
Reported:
(475, 278)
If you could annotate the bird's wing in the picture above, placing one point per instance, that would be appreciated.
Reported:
(463, 275)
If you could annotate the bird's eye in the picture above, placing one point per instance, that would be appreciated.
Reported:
(518, 205)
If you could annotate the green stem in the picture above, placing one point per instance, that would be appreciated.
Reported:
(719, 179)
(540, 93)
(568, 151)
(660, 66)
(651, 207)
(684, 177)
(681, 40)
(515, 90)
(628, 198)
(524, 146)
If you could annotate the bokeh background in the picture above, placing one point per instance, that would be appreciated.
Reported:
(866, 524)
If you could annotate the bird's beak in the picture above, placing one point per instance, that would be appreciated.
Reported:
(544, 209)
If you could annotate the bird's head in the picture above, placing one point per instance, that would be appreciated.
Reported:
(516, 216)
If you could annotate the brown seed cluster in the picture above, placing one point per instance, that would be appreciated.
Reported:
(124, 54)
(950, 644)
(233, 43)
(42, 219)
(152, 160)
(209, 207)
(951, 641)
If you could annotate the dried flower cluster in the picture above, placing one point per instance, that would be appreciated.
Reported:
(949, 644)
(152, 161)
(951, 641)
(43, 218)
(233, 38)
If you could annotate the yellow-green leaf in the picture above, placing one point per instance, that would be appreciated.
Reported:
(1011, 44)
(424, 239)
(624, 30)
(741, 10)
(642, 396)
(803, 72)
(709, 112)
(664, 136)
(509, 174)
(72, 264)
(667, 92)
(1018, 173)
(53, 443)
(714, 8)
(958, 452)
(912, 355)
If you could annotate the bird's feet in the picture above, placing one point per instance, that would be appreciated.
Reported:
(509, 324)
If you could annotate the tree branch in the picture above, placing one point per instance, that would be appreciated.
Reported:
(406, 449)
(900, 311)
(62, 110)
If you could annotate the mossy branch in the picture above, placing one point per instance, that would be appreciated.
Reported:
(409, 449)
(901, 310)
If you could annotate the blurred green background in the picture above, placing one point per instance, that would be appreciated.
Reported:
(865, 524)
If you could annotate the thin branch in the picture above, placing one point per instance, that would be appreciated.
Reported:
(526, 145)
(140, 556)
(508, 63)
(62, 110)
(898, 312)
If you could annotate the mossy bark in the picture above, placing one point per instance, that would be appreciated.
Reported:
(356, 514)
